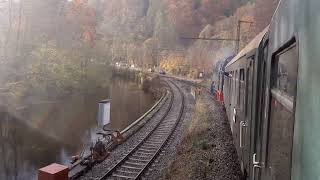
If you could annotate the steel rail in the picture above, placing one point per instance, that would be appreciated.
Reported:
(169, 135)
(145, 114)
(146, 138)
(141, 142)
(163, 98)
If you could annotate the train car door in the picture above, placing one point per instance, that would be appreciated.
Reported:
(256, 124)
(284, 72)
(242, 125)
(245, 123)
(231, 99)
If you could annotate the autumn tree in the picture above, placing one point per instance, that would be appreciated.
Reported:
(151, 52)
(174, 64)
(263, 13)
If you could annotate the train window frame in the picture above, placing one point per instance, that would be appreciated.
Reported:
(241, 88)
(247, 89)
(238, 90)
(231, 88)
(236, 84)
(282, 96)
(280, 131)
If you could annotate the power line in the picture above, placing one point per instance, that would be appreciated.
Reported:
(237, 40)
(209, 39)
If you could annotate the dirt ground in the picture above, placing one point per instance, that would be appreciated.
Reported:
(207, 150)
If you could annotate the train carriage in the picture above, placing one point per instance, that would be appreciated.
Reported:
(290, 149)
(240, 96)
(272, 99)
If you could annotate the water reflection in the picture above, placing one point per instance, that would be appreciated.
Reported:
(42, 133)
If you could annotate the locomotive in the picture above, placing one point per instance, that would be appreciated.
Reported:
(271, 96)
(220, 70)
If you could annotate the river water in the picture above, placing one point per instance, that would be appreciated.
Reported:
(47, 132)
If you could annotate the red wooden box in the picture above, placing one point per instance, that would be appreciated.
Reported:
(53, 172)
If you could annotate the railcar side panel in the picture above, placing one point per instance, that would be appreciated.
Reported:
(240, 104)
(239, 108)
(295, 21)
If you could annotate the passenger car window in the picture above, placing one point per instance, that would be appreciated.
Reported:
(285, 73)
(241, 89)
(237, 87)
(247, 91)
(281, 123)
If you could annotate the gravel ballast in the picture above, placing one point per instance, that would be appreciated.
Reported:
(161, 166)
(207, 150)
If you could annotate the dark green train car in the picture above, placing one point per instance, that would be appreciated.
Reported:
(272, 96)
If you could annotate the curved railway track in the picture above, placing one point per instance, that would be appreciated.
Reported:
(139, 159)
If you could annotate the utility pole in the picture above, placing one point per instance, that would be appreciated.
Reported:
(157, 58)
(127, 61)
(112, 61)
(237, 47)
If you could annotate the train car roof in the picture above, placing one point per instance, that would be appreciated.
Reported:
(252, 45)
(226, 61)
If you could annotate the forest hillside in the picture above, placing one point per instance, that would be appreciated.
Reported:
(64, 45)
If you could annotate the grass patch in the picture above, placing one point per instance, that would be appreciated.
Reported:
(193, 150)
(202, 144)
(206, 151)
(200, 120)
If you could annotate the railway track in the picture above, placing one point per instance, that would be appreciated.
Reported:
(139, 159)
